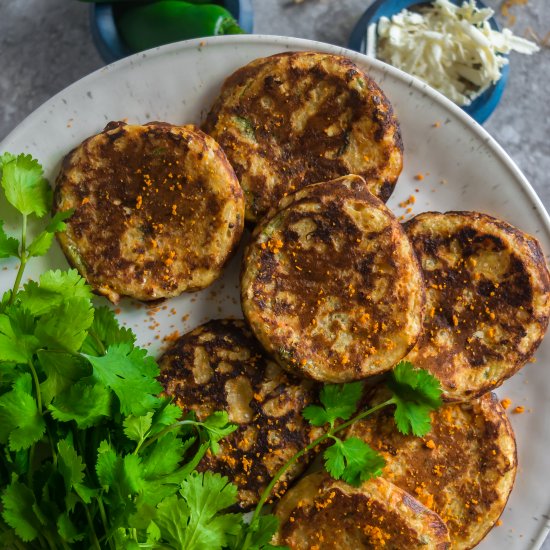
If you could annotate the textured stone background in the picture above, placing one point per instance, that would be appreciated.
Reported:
(45, 45)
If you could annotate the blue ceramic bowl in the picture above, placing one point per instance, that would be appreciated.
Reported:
(482, 107)
(110, 45)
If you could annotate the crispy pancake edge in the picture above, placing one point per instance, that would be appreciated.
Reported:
(382, 180)
(532, 260)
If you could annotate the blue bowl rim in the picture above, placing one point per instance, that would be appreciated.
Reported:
(110, 45)
(483, 106)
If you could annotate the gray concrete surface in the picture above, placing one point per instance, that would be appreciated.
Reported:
(45, 45)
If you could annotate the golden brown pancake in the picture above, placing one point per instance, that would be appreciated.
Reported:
(463, 470)
(488, 300)
(297, 118)
(220, 366)
(158, 210)
(323, 514)
(330, 285)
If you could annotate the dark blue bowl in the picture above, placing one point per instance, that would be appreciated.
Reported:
(481, 108)
(110, 45)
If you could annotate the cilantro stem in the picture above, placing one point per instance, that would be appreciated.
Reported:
(93, 536)
(80, 447)
(103, 516)
(37, 386)
(166, 430)
(41, 541)
(51, 543)
(23, 258)
(362, 415)
(293, 459)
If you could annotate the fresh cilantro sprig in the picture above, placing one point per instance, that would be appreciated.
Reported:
(28, 191)
(92, 457)
(90, 448)
(415, 393)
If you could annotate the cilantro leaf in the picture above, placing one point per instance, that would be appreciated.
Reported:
(172, 518)
(106, 328)
(8, 245)
(17, 342)
(67, 530)
(166, 415)
(125, 540)
(164, 456)
(41, 244)
(55, 287)
(263, 531)
(18, 502)
(66, 326)
(24, 185)
(20, 420)
(153, 533)
(119, 476)
(71, 466)
(339, 401)
(106, 465)
(132, 478)
(136, 427)
(62, 371)
(194, 522)
(84, 402)
(131, 374)
(217, 425)
(415, 393)
(353, 461)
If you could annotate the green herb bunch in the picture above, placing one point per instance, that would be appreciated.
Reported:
(92, 457)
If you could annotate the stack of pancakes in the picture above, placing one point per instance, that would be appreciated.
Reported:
(306, 148)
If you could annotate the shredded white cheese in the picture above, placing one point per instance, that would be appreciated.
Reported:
(452, 48)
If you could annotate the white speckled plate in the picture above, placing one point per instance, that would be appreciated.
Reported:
(462, 168)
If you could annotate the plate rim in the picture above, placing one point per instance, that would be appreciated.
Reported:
(303, 44)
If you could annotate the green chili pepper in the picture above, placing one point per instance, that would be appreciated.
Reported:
(149, 25)
(139, 1)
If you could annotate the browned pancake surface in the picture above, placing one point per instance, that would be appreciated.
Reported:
(298, 118)
(158, 210)
(220, 366)
(464, 469)
(325, 514)
(330, 285)
(488, 300)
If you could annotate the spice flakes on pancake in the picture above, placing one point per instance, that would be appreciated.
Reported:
(297, 118)
(158, 210)
(321, 513)
(463, 470)
(221, 366)
(330, 284)
(487, 300)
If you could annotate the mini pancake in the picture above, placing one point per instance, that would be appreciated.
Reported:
(330, 284)
(158, 210)
(463, 470)
(322, 513)
(488, 300)
(220, 366)
(297, 118)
